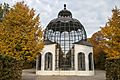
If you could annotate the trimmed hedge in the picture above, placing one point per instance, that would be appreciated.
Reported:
(29, 64)
(112, 69)
(10, 68)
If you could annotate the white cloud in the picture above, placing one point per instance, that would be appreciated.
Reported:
(91, 13)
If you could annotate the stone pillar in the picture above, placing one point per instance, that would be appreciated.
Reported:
(75, 59)
(86, 62)
(72, 59)
(93, 61)
(57, 59)
(37, 62)
(42, 62)
(53, 65)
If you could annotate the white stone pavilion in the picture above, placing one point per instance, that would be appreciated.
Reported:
(66, 50)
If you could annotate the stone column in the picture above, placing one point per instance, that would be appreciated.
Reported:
(92, 61)
(72, 59)
(37, 62)
(86, 62)
(42, 62)
(53, 65)
(53, 54)
(57, 59)
(75, 59)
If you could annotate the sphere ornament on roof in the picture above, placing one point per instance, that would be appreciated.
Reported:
(64, 12)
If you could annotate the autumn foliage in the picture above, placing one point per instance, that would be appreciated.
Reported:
(111, 35)
(106, 42)
(20, 35)
(10, 68)
(99, 54)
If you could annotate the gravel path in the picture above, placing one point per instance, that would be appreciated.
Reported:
(30, 75)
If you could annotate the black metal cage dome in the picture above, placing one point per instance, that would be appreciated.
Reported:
(65, 12)
(65, 30)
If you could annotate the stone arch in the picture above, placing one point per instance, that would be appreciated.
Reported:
(90, 58)
(81, 61)
(48, 61)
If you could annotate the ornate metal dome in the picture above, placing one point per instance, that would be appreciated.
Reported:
(65, 30)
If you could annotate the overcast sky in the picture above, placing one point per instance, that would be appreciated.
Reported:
(91, 13)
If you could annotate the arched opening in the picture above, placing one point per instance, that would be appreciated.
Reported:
(90, 61)
(39, 62)
(48, 61)
(81, 61)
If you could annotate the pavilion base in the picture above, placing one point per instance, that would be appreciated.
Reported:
(66, 73)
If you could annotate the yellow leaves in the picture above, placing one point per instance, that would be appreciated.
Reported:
(111, 33)
(112, 54)
(18, 36)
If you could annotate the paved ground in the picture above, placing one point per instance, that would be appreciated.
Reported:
(30, 75)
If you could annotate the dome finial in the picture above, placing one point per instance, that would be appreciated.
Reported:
(64, 6)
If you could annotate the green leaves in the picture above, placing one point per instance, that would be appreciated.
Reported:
(10, 68)
(112, 69)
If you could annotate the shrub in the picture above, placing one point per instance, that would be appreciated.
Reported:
(101, 61)
(29, 64)
(10, 68)
(112, 69)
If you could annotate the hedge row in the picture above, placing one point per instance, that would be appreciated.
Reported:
(29, 64)
(112, 69)
(10, 68)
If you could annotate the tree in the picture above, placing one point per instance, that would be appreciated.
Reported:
(20, 35)
(99, 54)
(111, 35)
